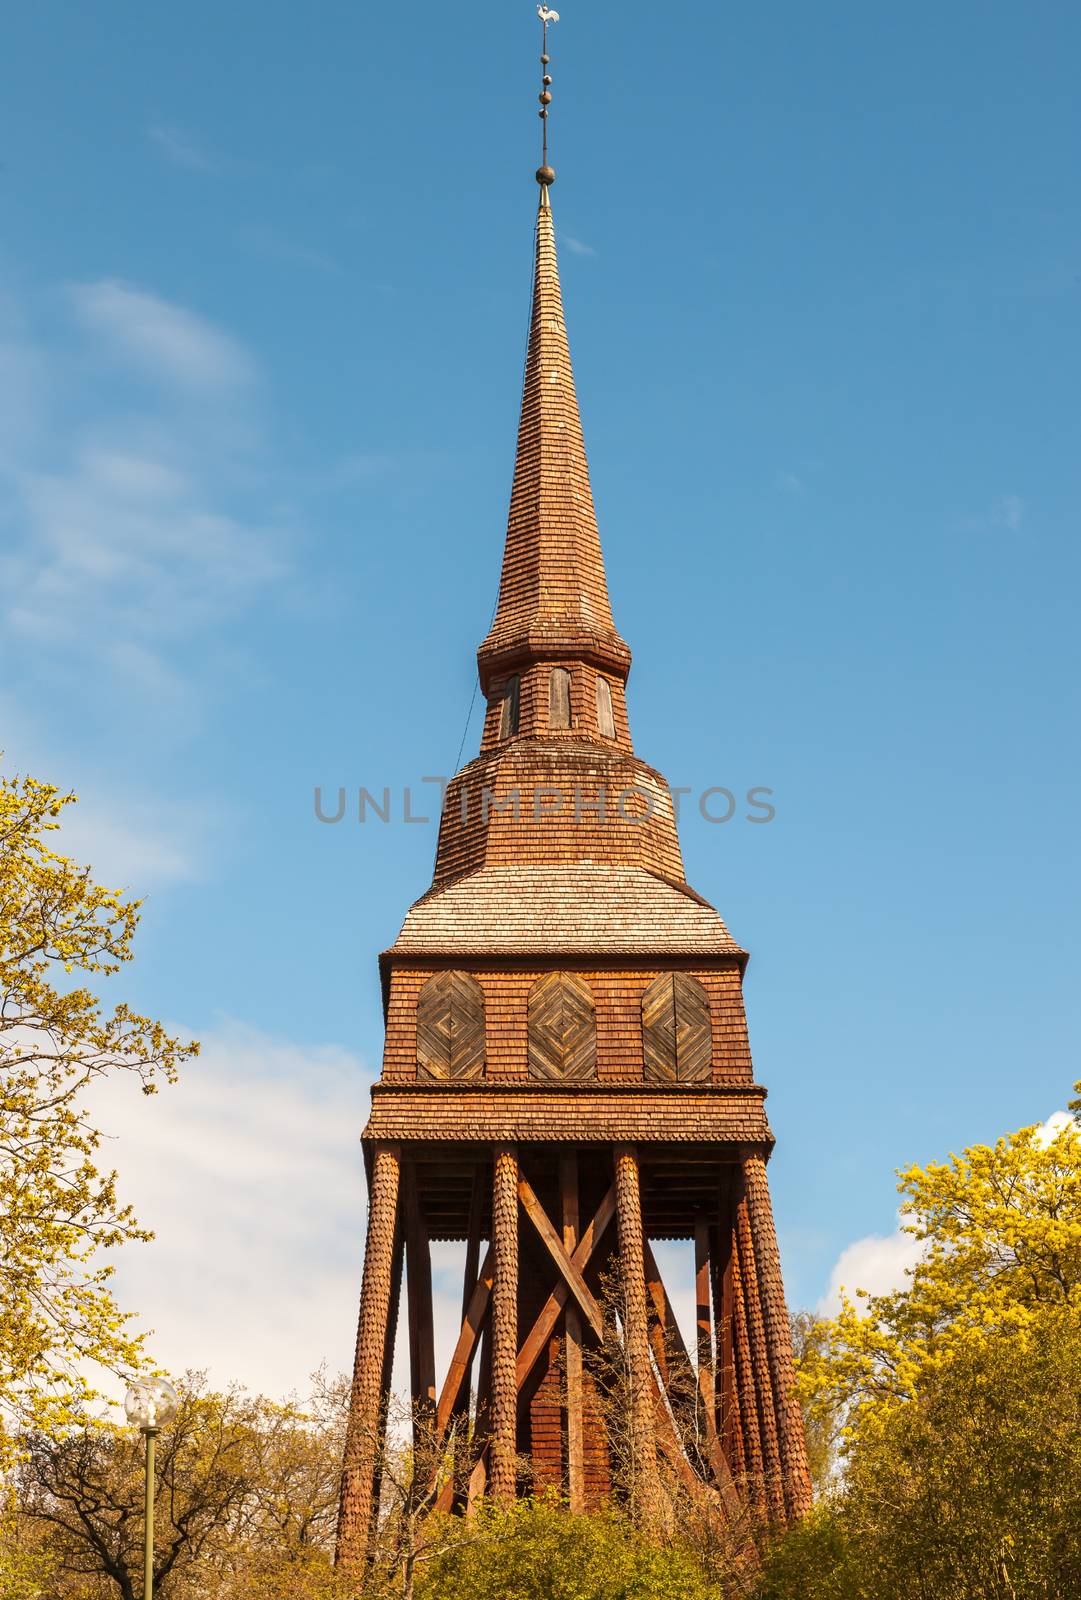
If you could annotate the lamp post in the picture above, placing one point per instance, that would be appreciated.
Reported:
(150, 1406)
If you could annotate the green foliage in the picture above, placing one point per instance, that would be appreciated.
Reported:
(247, 1498)
(970, 1491)
(1001, 1227)
(536, 1550)
(58, 1211)
(960, 1395)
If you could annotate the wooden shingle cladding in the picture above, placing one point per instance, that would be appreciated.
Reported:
(553, 587)
(616, 993)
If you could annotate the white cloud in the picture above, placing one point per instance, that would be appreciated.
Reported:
(181, 148)
(250, 1173)
(882, 1263)
(577, 247)
(876, 1263)
(166, 341)
(1056, 1122)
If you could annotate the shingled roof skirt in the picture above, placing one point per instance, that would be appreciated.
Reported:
(553, 595)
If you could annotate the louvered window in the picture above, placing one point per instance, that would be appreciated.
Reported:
(562, 1028)
(508, 714)
(606, 726)
(677, 1040)
(450, 1027)
(559, 698)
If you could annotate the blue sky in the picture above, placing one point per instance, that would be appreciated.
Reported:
(263, 294)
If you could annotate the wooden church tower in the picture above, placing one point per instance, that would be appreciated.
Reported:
(566, 1073)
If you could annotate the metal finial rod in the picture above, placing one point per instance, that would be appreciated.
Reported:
(545, 174)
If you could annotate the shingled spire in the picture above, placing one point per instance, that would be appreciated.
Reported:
(553, 596)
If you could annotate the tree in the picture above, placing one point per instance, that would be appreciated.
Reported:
(1001, 1226)
(537, 1550)
(968, 1491)
(58, 1211)
(822, 1420)
(960, 1396)
(247, 1499)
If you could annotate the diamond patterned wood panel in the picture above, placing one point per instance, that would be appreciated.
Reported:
(694, 1036)
(450, 1027)
(677, 1040)
(562, 1028)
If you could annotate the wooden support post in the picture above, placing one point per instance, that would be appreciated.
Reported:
(704, 1319)
(759, 1348)
(727, 1404)
(365, 1403)
(504, 1424)
(418, 1280)
(568, 1185)
(645, 1486)
(789, 1419)
(388, 1352)
(746, 1392)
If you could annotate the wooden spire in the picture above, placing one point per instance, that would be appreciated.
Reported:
(553, 596)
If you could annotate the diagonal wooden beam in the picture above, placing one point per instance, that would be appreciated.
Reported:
(554, 1245)
(467, 1340)
(655, 1287)
(541, 1330)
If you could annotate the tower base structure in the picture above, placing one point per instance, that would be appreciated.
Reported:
(569, 1370)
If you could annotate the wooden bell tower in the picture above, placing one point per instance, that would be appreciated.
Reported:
(567, 1074)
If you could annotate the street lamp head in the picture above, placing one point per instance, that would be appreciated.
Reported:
(150, 1403)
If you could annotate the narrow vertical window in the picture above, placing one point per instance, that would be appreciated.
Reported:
(508, 716)
(559, 698)
(606, 726)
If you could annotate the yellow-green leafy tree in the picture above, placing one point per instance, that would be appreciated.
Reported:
(1000, 1227)
(59, 931)
(960, 1395)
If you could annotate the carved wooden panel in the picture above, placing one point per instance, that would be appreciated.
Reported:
(562, 1028)
(450, 1026)
(677, 1040)
(694, 1036)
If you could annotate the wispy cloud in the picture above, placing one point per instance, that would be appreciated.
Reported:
(265, 242)
(790, 483)
(577, 247)
(164, 340)
(249, 1171)
(138, 517)
(1006, 513)
(181, 148)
